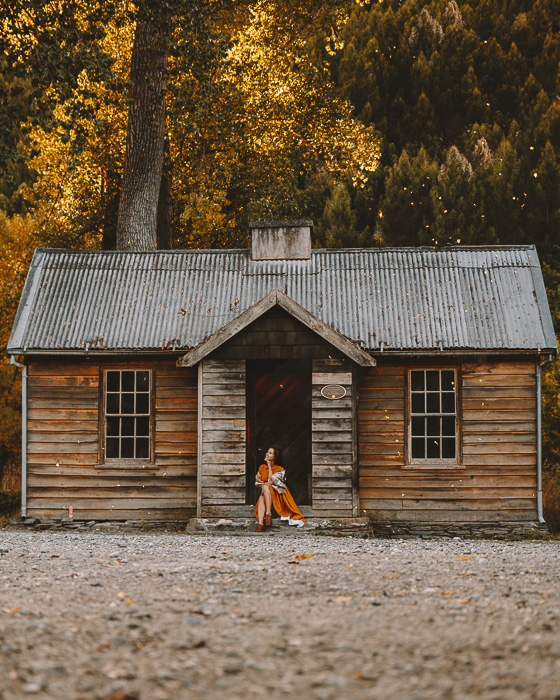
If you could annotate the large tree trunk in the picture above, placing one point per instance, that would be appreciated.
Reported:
(112, 189)
(165, 204)
(137, 224)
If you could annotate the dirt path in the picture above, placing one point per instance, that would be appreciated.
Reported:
(174, 616)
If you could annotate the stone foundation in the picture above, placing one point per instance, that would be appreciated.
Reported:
(462, 530)
(334, 527)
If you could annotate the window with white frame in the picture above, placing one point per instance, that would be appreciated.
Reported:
(433, 415)
(127, 414)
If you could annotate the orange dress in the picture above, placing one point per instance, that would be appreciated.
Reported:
(282, 500)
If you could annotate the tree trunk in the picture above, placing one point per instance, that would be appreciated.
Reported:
(111, 210)
(142, 174)
(165, 204)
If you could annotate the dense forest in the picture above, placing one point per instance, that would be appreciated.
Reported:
(389, 123)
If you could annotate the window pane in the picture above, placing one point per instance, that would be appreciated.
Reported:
(418, 451)
(142, 447)
(448, 425)
(127, 403)
(448, 380)
(112, 448)
(143, 427)
(113, 403)
(127, 421)
(127, 426)
(432, 403)
(113, 426)
(448, 448)
(127, 448)
(127, 381)
(418, 426)
(448, 403)
(113, 381)
(433, 448)
(142, 381)
(142, 403)
(432, 380)
(433, 426)
(417, 380)
(418, 403)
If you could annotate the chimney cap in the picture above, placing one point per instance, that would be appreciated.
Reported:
(281, 224)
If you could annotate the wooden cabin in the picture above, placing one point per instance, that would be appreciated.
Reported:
(402, 384)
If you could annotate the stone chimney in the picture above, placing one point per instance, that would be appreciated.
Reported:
(281, 240)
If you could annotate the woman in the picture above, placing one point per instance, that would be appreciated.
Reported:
(271, 479)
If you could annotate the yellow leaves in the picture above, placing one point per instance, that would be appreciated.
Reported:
(303, 556)
(11, 611)
(125, 599)
(463, 557)
(240, 126)
(18, 242)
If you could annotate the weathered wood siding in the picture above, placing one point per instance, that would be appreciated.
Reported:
(64, 452)
(496, 477)
(333, 445)
(276, 335)
(222, 445)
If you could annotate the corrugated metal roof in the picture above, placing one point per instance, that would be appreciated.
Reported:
(457, 298)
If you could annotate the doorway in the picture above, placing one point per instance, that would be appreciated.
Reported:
(279, 414)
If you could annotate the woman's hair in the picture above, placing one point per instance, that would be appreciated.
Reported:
(277, 456)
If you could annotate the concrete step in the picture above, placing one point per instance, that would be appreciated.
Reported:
(357, 527)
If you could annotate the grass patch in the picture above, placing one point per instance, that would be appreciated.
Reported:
(551, 496)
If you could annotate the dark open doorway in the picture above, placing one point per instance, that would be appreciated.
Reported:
(279, 414)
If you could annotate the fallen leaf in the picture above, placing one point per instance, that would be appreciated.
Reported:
(303, 556)
(128, 602)
(9, 611)
(227, 554)
(293, 562)
(363, 677)
(464, 602)
(464, 557)
(393, 576)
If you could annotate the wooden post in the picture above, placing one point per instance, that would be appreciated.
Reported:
(222, 437)
(333, 443)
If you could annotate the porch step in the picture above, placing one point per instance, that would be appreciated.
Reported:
(355, 527)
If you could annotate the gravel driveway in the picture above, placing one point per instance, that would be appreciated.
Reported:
(149, 616)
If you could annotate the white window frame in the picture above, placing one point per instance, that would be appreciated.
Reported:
(433, 462)
(149, 415)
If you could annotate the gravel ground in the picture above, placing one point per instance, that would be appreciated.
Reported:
(147, 616)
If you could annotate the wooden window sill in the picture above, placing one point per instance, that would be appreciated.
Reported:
(123, 464)
(433, 465)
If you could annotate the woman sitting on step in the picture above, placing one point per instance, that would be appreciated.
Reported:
(271, 479)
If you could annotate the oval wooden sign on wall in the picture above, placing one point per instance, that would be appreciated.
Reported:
(333, 391)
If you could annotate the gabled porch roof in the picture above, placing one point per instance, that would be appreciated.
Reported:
(276, 298)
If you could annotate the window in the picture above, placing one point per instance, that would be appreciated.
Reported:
(433, 415)
(127, 414)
